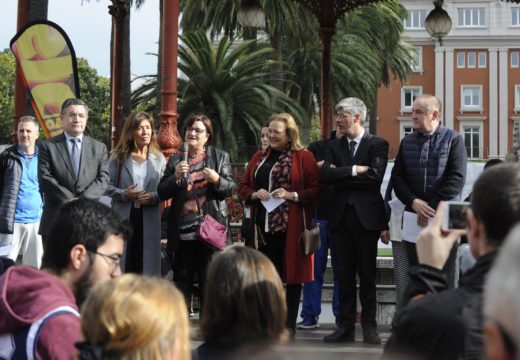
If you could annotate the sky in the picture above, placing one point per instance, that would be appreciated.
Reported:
(88, 27)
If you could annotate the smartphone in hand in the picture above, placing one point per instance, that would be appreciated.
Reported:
(455, 215)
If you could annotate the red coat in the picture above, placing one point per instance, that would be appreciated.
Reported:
(298, 267)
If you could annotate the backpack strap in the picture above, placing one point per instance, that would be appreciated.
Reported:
(34, 331)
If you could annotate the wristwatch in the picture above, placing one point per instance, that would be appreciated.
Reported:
(295, 198)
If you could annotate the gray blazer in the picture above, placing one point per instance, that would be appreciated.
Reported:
(58, 182)
(151, 213)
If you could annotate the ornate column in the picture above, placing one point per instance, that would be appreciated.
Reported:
(168, 137)
(503, 105)
(449, 110)
(326, 34)
(493, 104)
(439, 75)
(118, 10)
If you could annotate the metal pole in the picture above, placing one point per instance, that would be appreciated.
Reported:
(118, 10)
(168, 137)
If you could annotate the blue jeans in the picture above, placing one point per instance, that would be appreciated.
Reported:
(311, 306)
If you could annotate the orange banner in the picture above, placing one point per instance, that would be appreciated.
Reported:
(47, 62)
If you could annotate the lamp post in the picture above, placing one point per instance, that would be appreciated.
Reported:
(438, 22)
(251, 17)
(438, 25)
(168, 137)
(251, 14)
(119, 10)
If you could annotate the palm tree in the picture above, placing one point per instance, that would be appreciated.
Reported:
(363, 56)
(230, 85)
(395, 57)
(220, 17)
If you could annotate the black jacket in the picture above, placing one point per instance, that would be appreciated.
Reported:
(443, 324)
(215, 204)
(431, 168)
(10, 177)
(362, 191)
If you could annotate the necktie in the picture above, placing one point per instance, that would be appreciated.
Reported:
(75, 154)
(352, 147)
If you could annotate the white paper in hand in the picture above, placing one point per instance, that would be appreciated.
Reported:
(272, 203)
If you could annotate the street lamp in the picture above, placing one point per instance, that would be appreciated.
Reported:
(438, 22)
(251, 15)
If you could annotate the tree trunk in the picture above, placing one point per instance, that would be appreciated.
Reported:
(38, 9)
(126, 81)
(373, 116)
(277, 69)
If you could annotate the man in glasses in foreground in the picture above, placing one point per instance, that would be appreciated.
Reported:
(39, 308)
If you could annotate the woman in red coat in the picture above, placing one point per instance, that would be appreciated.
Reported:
(285, 171)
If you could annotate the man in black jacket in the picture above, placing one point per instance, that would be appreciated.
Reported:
(430, 167)
(20, 199)
(355, 165)
(439, 323)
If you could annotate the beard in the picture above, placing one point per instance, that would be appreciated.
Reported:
(83, 285)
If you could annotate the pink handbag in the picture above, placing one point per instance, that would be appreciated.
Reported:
(212, 232)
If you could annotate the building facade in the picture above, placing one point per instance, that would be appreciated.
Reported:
(475, 72)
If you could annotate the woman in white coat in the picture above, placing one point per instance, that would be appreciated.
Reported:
(135, 167)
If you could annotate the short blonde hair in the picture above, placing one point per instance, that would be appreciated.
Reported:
(291, 130)
(136, 317)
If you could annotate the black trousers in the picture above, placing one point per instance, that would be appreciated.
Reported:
(134, 246)
(354, 249)
(191, 258)
(451, 267)
(274, 249)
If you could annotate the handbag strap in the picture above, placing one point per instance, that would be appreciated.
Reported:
(118, 175)
(190, 181)
(303, 187)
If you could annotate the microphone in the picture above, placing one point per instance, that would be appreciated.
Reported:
(184, 154)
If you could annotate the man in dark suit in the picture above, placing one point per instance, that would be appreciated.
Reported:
(355, 165)
(71, 165)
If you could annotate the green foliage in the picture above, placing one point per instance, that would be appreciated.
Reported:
(363, 56)
(7, 81)
(95, 91)
(231, 86)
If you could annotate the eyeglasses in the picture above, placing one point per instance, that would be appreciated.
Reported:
(112, 260)
(198, 131)
(343, 115)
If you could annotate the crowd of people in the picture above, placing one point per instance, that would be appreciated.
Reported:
(67, 298)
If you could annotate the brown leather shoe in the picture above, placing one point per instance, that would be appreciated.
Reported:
(340, 335)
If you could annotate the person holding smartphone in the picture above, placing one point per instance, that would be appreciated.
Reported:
(443, 323)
